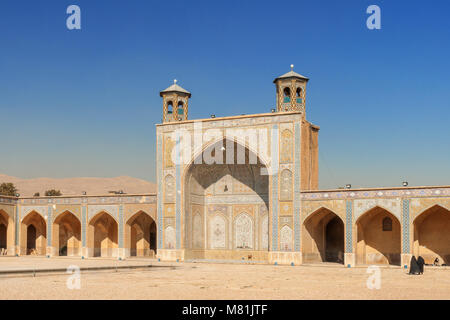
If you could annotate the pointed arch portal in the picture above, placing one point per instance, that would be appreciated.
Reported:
(323, 237)
(432, 236)
(66, 235)
(6, 225)
(140, 235)
(103, 235)
(33, 232)
(239, 176)
(378, 238)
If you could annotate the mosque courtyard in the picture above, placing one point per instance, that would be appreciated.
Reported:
(150, 279)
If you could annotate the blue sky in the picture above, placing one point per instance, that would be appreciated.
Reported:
(85, 102)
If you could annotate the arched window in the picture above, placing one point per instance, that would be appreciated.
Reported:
(169, 107)
(287, 94)
(387, 224)
(180, 110)
(298, 94)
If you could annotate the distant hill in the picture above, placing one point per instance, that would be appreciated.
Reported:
(76, 186)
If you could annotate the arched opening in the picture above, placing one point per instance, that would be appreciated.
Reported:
(334, 245)
(3, 237)
(4, 222)
(103, 235)
(323, 237)
(432, 236)
(236, 173)
(378, 238)
(33, 234)
(31, 238)
(67, 235)
(169, 107)
(298, 92)
(140, 233)
(286, 94)
(180, 110)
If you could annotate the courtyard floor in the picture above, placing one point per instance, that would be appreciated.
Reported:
(214, 281)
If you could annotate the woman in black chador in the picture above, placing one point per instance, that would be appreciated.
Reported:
(414, 266)
(421, 263)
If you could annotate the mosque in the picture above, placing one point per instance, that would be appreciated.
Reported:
(237, 188)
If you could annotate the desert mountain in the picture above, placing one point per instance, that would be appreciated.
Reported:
(76, 186)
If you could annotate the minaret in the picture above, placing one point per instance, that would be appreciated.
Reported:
(291, 92)
(175, 103)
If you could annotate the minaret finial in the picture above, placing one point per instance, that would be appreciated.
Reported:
(174, 81)
(292, 67)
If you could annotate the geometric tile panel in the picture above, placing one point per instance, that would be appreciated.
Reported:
(42, 210)
(405, 226)
(160, 179)
(348, 227)
(113, 210)
(83, 226)
(274, 188)
(391, 205)
(49, 226)
(297, 188)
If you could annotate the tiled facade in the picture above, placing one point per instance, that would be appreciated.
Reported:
(235, 211)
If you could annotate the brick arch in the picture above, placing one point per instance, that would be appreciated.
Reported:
(102, 235)
(431, 239)
(33, 234)
(323, 237)
(27, 211)
(99, 213)
(377, 207)
(140, 235)
(66, 234)
(420, 205)
(6, 233)
(424, 210)
(321, 207)
(58, 214)
(375, 245)
(197, 153)
(393, 206)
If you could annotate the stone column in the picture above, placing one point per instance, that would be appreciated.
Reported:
(50, 250)
(349, 255)
(159, 177)
(406, 242)
(16, 249)
(297, 254)
(274, 196)
(121, 253)
(84, 247)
